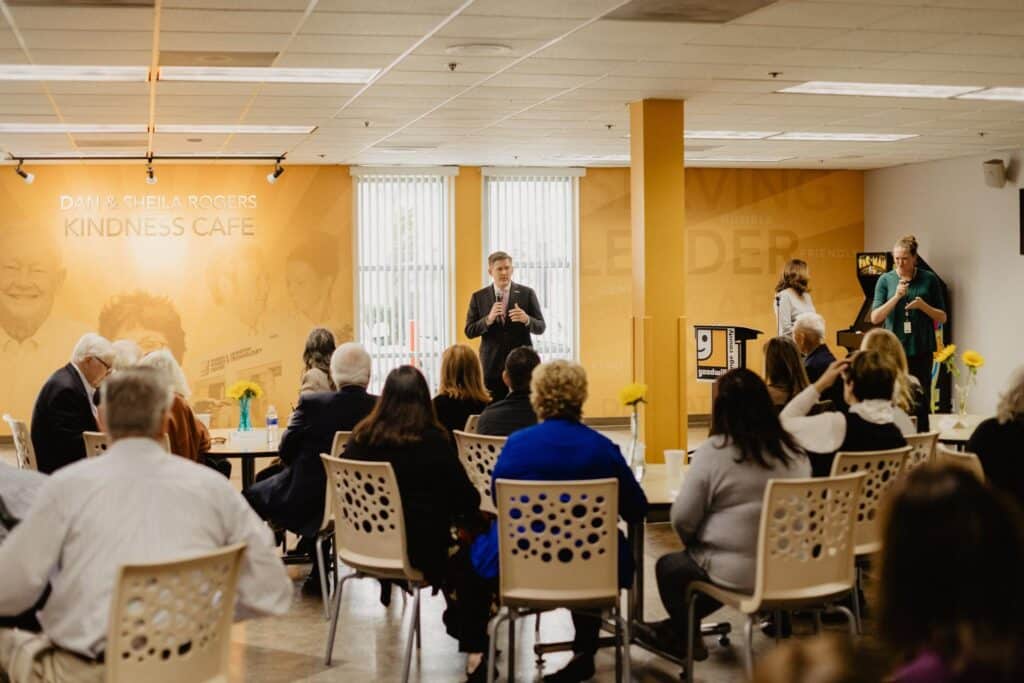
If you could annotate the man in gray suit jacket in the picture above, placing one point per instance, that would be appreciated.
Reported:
(504, 314)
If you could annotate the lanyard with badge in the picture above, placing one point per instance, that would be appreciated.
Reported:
(907, 328)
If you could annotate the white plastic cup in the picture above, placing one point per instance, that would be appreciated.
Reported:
(674, 463)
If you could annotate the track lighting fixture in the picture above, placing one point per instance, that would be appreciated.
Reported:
(276, 173)
(25, 175)
(150, 174)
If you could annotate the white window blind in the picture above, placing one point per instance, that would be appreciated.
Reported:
(403, 235)
(533, 215)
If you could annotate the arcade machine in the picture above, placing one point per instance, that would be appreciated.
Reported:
(870, 266)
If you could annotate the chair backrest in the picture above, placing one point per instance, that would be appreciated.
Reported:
(23, 449)
(882, 468)
(471, 424)
(478, 454)
(805, 545)
(557, 542)
(171, 621)
(922, 449)
(339, 443)
(954, 458)
(97, 443)
(369, 524)
(337, 449)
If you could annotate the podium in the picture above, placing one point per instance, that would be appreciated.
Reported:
(721, 348)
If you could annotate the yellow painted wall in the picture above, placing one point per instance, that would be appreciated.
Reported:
(232, 272)
(245, 305)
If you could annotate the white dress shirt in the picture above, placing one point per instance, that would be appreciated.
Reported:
(134, 504)
(90, 390)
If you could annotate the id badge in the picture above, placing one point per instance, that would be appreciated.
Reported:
(906, 327)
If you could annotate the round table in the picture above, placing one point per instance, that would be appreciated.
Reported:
(952, 428)
(244, 446)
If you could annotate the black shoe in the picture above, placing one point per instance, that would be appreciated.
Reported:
(768, 626)
(580, 668)
(479, 674)
(311, 586)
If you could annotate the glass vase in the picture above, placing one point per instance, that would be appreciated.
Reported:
(961, 392)
(244, 421)
(637, 460)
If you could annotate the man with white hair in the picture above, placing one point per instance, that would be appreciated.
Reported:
(809, 335)
(66, 405)
(136, 504)
(294, 497)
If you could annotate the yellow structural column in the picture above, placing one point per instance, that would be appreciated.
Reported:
(659, 270)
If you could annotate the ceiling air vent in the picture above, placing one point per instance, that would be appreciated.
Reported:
(205, 58)
(687, 11)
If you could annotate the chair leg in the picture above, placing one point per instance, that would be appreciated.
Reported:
(536, 639)
(691, 618)
(322, 571)
(618, 644)
(627, 666)
(334, 617)
(817, 621)
(417, 624)
(850, 618)
(748, 632)
(856, 602)
(777, 615)
(413, 619)
(492, 646)
(512, 644)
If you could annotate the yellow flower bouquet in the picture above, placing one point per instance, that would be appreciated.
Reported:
(631, 394)
(244, 391)
(962, 383)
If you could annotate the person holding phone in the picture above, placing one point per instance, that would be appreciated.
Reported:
(909, 302)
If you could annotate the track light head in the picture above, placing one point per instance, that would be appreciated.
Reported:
(29, 178)
(276, 173)
(150, 174)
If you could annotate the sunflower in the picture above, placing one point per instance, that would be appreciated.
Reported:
(973, 359)
(632, 394)
(244, 389)
(944, 354)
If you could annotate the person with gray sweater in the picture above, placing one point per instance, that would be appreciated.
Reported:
(717, 512)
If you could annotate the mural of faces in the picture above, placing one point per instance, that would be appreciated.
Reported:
(31, 274)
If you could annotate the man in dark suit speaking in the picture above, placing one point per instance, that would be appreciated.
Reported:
(505, 314)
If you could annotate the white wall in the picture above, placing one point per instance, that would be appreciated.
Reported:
(970, 234)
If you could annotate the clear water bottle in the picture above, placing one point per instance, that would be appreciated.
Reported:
(272, 426)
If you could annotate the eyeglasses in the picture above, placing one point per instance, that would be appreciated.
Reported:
(104, 363)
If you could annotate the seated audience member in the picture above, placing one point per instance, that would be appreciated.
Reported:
(999, 441)
(461, 392)
(868, 426)
(136, 504)
(783, 370)
(562, 448)
(809, 337)
(950, 590)
(828, 658)
(316, 358)
(294, 498)
(403, 430)
(717, 513)
(907, 396)
(188, 436)
(18, 489)
(66, 405)
(513, 412)
(126, 354)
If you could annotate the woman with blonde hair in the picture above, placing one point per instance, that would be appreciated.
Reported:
(784, 372)
(999, 441)
(461, 392)
(907, 392)
(792, 296)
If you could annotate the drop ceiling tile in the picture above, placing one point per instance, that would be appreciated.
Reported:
(222, 42)
(390, 6)
(228, 21)
(934, 19)
(818, 14)
(370, 24)
(93, 57)
(292, 59)
(542, 9)
(739, 35)
(999, 46)
(885, 40)
(87, 40)
(371, 45)
(481, 28)
(83, 18)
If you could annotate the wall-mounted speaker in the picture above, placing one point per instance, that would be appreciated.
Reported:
(995, 172)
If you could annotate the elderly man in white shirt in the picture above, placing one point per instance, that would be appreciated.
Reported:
(135, 504)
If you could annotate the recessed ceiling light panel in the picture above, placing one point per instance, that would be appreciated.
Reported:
(728, 134)
(879, 89)
(235, 129)
(242, 74)
(48, 72)
(844, 137)
(1008, 94)
(73, 128)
